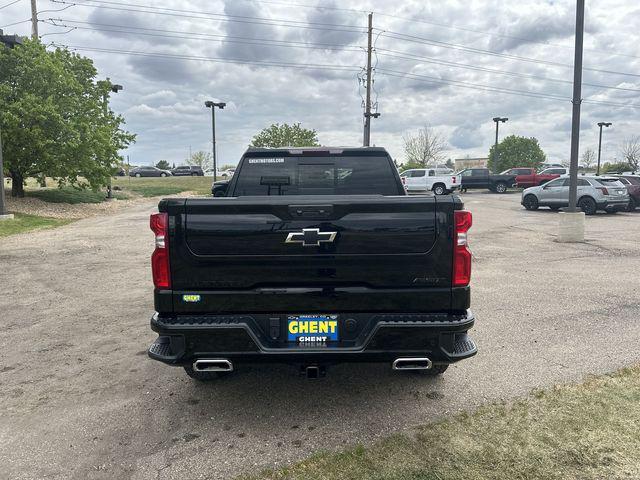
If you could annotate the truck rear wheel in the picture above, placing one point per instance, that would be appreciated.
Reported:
(439, 189)
(203, 376)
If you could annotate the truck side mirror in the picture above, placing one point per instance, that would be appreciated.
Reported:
(219, 189)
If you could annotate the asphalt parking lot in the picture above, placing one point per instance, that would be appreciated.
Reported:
(80, 399)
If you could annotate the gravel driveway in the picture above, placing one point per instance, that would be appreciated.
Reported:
(80, 399)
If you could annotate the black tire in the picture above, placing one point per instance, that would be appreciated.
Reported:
(194, 174)
(530, 202)
(439, 189)
(588, 205)
(138, 175)
(163, 174)
(555, 209)
(500, 187)
(203, 376)
(632, 205)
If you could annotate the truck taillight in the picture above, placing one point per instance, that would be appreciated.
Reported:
(461, 252)
(159, 223)
(453, 179)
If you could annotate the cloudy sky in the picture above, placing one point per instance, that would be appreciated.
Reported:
(451, 64)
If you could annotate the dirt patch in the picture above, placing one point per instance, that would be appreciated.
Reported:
(34, 206)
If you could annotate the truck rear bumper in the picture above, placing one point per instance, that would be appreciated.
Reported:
(184, 339)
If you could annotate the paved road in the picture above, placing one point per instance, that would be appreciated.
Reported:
(80, 399)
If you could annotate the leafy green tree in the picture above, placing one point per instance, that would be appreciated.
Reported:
(163, 165)
(515, 151)
(200, 159)
(54, 118)
(285, 135)
(617, 167)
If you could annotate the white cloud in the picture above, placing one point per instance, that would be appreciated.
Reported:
(163, 98)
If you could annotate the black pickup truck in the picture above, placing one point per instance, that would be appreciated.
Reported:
(312, 257)
(483, 178)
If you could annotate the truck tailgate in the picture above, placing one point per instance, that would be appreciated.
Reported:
(235, 247)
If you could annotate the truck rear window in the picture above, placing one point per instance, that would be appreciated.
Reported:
(328, 175)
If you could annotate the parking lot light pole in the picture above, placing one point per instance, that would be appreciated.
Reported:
(601, 124)
(212, 106)
(115, 88)
(498, 120)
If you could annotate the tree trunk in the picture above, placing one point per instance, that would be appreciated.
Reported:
(17, 184)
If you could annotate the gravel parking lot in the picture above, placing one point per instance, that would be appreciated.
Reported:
(80, 399)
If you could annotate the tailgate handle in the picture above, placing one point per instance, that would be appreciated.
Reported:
(310, 211)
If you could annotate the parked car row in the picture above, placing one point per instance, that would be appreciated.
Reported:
(608, 193)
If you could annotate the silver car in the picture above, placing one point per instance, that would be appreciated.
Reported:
(594, 193)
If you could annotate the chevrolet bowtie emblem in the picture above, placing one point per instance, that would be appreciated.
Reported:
(311, 237)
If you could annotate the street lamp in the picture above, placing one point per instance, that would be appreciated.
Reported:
(212, 106)
(498, 120)
(115, 88)
(601, 124)
(9, 41)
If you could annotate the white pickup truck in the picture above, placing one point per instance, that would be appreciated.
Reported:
(440, 181)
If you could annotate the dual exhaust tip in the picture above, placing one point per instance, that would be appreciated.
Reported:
(213, 365)
(414, 363)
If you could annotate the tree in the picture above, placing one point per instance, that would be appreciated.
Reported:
(424, 148)
(616, 167)
(631, 151)
(588, 158)
(450, 164)
(515, 151)
(201, 159)
(53, 118)
(285, 135)
(163, 165)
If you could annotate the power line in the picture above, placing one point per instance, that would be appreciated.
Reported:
(437, 43)
(15, 23)
(9, 4)
(499, 35)
(442, 25)
(489, 88)
(349, 68)
(195, 35)
(173, 12)
(410, 56)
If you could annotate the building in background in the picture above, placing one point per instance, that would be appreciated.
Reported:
(462, 163)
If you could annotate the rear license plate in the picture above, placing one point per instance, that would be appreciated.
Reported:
(304, 329)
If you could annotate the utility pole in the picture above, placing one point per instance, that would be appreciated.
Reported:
(367, 107)
(577, 100)
(601, 124)
(34, 20)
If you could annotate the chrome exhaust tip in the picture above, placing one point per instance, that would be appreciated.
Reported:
(212, 365)
(415, 363)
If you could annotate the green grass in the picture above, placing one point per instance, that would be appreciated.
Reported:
(24, 223)
(585, 431)
(153, 187)
(70, 195)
